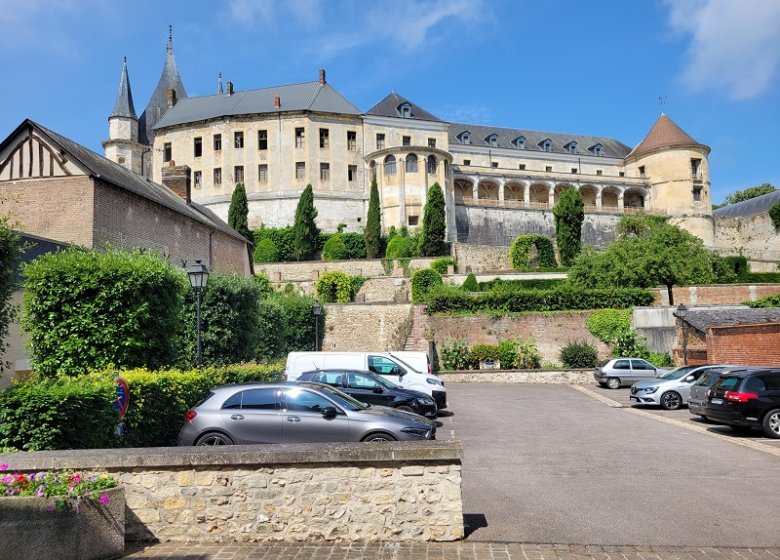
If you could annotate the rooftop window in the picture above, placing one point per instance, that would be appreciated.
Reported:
(519, 142)
(405, 110)
(492, 140)
(597, 149)
(464, 137)
(546, 145)
(571, 147)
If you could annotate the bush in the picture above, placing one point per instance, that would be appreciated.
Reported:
(630, 344)
(774, 213)
(770, 301)
(524, 284)
(334, 249)
(608, 324)
(422, 283)
(482, 352)
(527, 355)
(507, 353)
(270, 342)
(660, 359)
(440, 265)
(454, 355)
(282, 238)
(10, 249)
(86, 310)
(520, 252)
(737, 264)
(579, 354)
(298, 326)
(763, 277)
(569, 214)
(355, 244)
(334, 287)
(264, 285)
(401, 247)
(470, 284)
(266, 251)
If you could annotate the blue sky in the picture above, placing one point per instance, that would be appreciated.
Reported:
(562, 66)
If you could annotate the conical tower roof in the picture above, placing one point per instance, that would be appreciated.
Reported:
(664, 134)
(123, 106)
(158, 103)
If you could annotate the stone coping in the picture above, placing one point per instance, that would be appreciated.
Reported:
(556, 376)
(256, 455)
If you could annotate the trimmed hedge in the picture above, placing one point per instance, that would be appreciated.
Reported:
(334, 249)
(440, 265)
(423, 281)
(470, 284)
(763, 277)
(402, 247)
(565, 298)
(266, 251)
(524, 284)
(283, 239)
(520, 251)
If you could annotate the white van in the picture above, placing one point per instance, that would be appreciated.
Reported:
(387, 364)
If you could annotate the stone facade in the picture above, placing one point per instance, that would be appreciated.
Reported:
(353, 327)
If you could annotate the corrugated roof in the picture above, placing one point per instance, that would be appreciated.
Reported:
(664, 134)
(505, 136)
(123, 106)
(705, 319)
(309, 96)
(751, 207)
(388, 107)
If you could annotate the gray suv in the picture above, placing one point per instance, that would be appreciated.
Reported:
(698, 395)
(622, 372)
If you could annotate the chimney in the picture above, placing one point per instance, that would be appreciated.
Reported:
(322, 77)
(177, 179)
(277, 101)
(171, 97)
(230, 88)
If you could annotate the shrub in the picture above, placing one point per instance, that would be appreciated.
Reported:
(569, 214)
(334, 249)
(87, 310)
(10, 249)
(298, 326)
(270, 342)
(520, 252)
(454, 355)
(264, 285)
(608, 324)
(579, 354)
(355, 244)
(440, 265)
(524, 284)
(737, 264)
(282, 238)
(470, 284)
(527, 355)
(660, 359)
(763, 277)
(266, 251)
(630, 344)
(307, 233)
(334, 287)
(422, 283)
(401, 247)
(433, 223)
(481, 352)
(774, 213)
(770, 301)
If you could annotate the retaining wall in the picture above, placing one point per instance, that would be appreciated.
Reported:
(561, 377)
(359, 327)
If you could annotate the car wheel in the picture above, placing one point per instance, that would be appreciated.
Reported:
(771, 424)
(405, 408)
(613, 383)
(214, 438)
(380, 436)
(671, 400)
(741, 429)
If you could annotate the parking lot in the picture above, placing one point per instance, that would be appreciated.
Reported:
(551, 464)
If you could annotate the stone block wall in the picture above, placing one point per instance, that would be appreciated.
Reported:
(342, 492)
(715, 295)
(556, 377)
(480, 258)
(355, 327)
(384, 290)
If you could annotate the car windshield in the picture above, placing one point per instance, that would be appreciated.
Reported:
(342, 398)
(676, 373)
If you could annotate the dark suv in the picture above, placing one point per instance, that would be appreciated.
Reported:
(747, 399)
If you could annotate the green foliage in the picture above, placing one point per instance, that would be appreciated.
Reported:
(608, 324)
(283, 240)
(507, 353)
(422, 282)
(454, 355)
(373, 231)
(298, 325)
(470, 284)
(523, 284)
(520, 252)
(440, 265)
(763, 277)
(229, 320)
(271, 344)
(660, 359)
(264, 285)
(481, 352)
(770, 301)
(579, 354)
(638, 226)
(87, 310)
(266, 251)
(774, 213)
(434, 224)
(750, 192)
(738, 265)
(337, 287)
(518, 354)
(238, 212)
(569, 214)
(527, 355)
(10, 250)
(630, 344)
(334, 249)
(402, 246)
(306, 232)
(355, 244)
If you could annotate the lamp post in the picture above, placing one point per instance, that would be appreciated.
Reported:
(682, 311)
(316, 310)
(199, 277)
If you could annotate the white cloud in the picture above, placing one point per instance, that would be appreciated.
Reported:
(735, 45)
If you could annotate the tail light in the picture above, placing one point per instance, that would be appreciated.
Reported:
(190, 415)
(736, 396)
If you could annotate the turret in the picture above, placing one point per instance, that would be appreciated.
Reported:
(122, 145)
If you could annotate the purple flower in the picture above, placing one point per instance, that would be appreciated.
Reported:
(8, 479)
(39, 491)
(104, 499)
(49, 508)
(32, 477)
(10, 492)
(4, 467)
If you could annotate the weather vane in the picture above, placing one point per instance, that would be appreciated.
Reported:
(662, 102)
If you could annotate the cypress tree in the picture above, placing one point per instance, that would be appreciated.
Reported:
(373, 232)
(238, 213)
(569, 214)
(307, 234)
(433, 226)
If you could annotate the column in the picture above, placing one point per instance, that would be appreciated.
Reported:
(527, 195)
(551, 196)
(401, 169)
(620, 200)
(598, 196)
(475, 188)
(501, 184)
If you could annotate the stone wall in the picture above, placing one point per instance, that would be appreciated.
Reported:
(311, 270)
(724, 294)
(480, 258)
(358, 327)
(755, 237)
(384, 290)
(564, 376)
(397, 491)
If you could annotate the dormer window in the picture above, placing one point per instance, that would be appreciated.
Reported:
(519, 142)
(492, 140)
(597, 149)
(546, 145)
(405, 110)
(464, 137)
(571, 147)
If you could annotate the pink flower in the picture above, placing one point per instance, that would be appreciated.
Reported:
(8, 479)
(76, 478)
(104, 499)
(4, 467)
(39, 491)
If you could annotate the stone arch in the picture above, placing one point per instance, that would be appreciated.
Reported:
(634, 198)
(539, 195)
(609, 197)
(589, 194)
(411, 163)
(559, 188)
(487, 190)
(462, 188)
(514, 191)
(390, 165)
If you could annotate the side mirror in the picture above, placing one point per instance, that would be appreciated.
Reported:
(399, 371)
(329, 412)
(378, 390)
(690, 379)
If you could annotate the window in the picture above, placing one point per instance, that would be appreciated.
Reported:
(695, 166)
(519, 142)
(464, 137)
(262, 139)
(262, 173)
(300, 400)
(233, 402)
(351, 140)
(238, 174)
(622, 364)
(198, 147)
(521, 166)
(641, 364)
(380, 141)
(324, 138)
(390, 165)
(574, 170)
(548, 168)
(492, 140)
(405, 110)
(414, 220)
(641, 170)
(622, 174)
(597, 149)
(120, 160)
(382, 365)
(571, 147)
(217, 176)
(332, 378)
(352, 173)
(325, 172)
(697, 195)
(198, 178)
(360, 381)
(431, 142)
(466, 162)
(546, 145)
(598, 172)
(432, 163)
(167, 152)
(411, 163)
(406, 140)
(238, 140)
(217, 142)
(494, 164)
(259, 399)
(300, 170)
(299, 137)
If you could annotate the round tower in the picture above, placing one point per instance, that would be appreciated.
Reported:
(122, 145)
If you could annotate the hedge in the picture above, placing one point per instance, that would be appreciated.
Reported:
(451, 300)
(762, 278)
(520, 251)
(335, 286)
(423, 281)
(524, 284)
(440, 265)
(283, 239)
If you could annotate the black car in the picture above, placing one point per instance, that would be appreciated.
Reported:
(746, 399)
(370, 388)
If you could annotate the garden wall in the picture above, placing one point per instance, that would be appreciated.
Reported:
(556, 376)
(715, 294)
(307, 271)
(357, 327)
(343, 492)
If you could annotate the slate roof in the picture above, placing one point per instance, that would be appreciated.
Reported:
(388, 107)
(308, 96)
(106, 170)
(123, 106)
(664, 134)
(751, 207)
(505, 136)
(703, 320)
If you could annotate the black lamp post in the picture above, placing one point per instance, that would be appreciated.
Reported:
(316, 310)
(682, 311)
(199, 277)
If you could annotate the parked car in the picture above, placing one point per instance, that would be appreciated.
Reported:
(746, 399)
(370, 388)
(697, 398)
(295, 413)
(671, 389)
(622, 372)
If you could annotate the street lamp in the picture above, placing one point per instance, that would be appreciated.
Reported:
(199, 277)
(682, 311)
(316, 310)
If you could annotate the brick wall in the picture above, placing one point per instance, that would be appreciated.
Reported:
(757, 345)
(353, 327)
(714, 295)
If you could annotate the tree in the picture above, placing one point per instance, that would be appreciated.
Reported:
(10, 249)
(307, 235)
(238, 213)
(434, 225)
(750, 192)
(373, 231)
(569, 214)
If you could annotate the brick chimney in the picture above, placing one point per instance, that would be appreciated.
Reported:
(322, 77)
(277, 101)
(230, 88)
(171, 97)
(177, 178)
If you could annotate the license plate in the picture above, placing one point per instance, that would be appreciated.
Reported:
(716, 401)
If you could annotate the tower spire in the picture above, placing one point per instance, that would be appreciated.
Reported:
(123, 106)
(169, 47)
(219, 85)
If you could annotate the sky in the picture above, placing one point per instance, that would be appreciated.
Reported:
(570, 66)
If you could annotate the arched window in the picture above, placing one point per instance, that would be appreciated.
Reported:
(519, 142)
(464, 137)
(390, 165)
(405, 110)
(571, 147)
(411, 163)
(546, 145)
(492, 140)
(432, 163)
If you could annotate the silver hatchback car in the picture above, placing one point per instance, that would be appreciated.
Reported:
(295, 413)
(622, 372)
